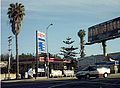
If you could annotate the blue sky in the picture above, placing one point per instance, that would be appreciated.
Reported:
(67, 17)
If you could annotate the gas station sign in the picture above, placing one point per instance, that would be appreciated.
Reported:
(41, 42)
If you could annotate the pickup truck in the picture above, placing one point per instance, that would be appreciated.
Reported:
(93, 71)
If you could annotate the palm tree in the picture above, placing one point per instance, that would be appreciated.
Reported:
(15, 15)
(81, 35)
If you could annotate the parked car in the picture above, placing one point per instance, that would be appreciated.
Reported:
(93, 71)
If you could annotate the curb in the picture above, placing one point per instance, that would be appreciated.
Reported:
(37, 79)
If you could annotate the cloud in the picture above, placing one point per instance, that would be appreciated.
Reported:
(66, 9)
(67, 6)
(67, 15)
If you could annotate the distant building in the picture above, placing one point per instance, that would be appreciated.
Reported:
(26, 64)
(54, 63)
(111, 60)
(90, 60)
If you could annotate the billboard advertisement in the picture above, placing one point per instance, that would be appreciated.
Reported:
(41, 40)
(104, 31)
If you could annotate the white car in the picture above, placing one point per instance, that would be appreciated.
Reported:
(93, 71)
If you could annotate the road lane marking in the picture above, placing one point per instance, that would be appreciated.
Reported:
(113, 84)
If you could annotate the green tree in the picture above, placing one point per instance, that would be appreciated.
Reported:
(69, 51)
(81, 35)
(15, 14)
(4, 57)
(28, 55)
(57, 56)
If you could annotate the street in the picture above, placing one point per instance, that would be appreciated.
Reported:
(65, 83)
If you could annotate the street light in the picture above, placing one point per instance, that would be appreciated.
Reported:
(47, 50)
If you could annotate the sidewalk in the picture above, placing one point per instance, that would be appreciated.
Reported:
(25, 80)
(117, 75)
(46, 79)
(37, 79)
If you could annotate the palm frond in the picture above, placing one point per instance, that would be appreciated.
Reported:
(15, 14)
(12, 5)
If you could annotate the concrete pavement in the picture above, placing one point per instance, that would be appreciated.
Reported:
(117, 75)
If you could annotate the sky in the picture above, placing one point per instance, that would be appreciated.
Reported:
(67, 17)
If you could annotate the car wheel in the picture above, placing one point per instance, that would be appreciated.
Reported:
(97, 76)
(105, 75)
(87, 76)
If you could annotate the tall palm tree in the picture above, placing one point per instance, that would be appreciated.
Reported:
(81, 35)
(15, 14)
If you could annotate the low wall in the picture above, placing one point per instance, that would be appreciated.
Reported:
(5, 76)
(68, 72)
(56, 73)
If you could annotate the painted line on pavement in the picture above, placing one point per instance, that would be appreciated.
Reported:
(82, 82)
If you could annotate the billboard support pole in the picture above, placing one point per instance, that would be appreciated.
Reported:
(104, 48)
(36, 69)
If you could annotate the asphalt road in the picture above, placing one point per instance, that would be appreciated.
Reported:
(65, 83)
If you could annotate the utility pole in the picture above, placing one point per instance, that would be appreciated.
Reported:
(36, 69)
(10, 52)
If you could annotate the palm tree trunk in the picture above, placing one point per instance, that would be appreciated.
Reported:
(82, 47)
(17, 57)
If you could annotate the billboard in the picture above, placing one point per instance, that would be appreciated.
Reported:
(41, 40)
(104, 31)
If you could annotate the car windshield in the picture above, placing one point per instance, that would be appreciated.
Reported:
(89, 68)
(103, 66)
(85, 69)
